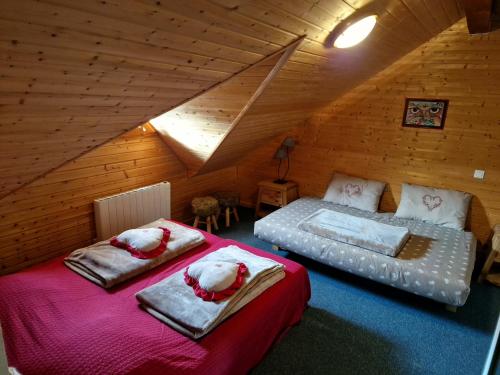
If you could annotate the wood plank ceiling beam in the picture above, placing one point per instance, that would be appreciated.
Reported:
(287, 52)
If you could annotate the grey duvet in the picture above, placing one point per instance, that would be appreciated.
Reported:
(173, 302)
(108, 266)
(436, 262)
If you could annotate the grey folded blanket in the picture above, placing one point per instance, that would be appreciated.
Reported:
(107, 265)
(174, 302)
(368, 234)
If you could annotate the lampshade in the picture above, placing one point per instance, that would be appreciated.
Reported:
(289, 142)
(355, 33)
(280, 153)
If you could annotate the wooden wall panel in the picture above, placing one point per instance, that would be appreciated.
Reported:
(54, 214)
(76, 74)
(361, 132)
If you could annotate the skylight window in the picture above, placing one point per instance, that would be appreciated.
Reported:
(186, 129)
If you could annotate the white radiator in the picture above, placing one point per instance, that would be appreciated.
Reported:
(131, 209)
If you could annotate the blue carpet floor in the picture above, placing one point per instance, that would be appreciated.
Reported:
(356, 326)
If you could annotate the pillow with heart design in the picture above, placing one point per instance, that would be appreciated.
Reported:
(354, 192)
(215, 280)
(143, 243)
(436, 206)
(432, 202)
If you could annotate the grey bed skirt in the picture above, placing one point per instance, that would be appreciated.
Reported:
(436, 262)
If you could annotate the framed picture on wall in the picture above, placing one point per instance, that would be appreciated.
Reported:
(425, 113)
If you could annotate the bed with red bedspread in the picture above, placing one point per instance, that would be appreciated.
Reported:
(57, 322)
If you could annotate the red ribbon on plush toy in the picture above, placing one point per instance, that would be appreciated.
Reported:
(207, 295)
(144, 254)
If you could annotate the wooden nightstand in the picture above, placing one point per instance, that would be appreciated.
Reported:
(494, 257)
(272, 195)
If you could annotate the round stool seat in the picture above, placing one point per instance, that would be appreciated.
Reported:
(228, 198)
(205, 206)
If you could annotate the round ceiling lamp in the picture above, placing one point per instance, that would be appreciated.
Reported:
(355, 33)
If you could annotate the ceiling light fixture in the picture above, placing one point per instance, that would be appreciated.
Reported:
(355, 32)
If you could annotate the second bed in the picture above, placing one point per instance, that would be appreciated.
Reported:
(436, 262)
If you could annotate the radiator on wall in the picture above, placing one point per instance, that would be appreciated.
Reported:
(131, 209)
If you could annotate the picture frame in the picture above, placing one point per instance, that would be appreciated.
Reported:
(425, 113)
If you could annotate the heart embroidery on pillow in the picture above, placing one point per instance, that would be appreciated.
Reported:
(432, 202)
(353, 190)
(213, 281)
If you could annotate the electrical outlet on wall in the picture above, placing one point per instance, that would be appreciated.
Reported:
(479, 174)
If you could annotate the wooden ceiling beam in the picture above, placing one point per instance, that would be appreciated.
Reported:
(478, 13)
(210, 165)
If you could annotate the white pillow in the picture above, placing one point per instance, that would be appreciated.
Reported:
(214, 276)
(354, 192)
(437, 206)
(145, 239)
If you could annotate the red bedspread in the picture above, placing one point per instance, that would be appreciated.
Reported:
(57, 322)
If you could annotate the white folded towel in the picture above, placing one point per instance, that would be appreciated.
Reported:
(368, 234)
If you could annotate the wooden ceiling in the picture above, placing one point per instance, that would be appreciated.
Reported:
(75, 74)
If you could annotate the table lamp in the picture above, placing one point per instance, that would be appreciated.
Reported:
(282, 153)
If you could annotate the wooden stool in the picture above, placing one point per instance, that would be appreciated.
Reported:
(229, 201)
(494, 257)
(205, 209)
